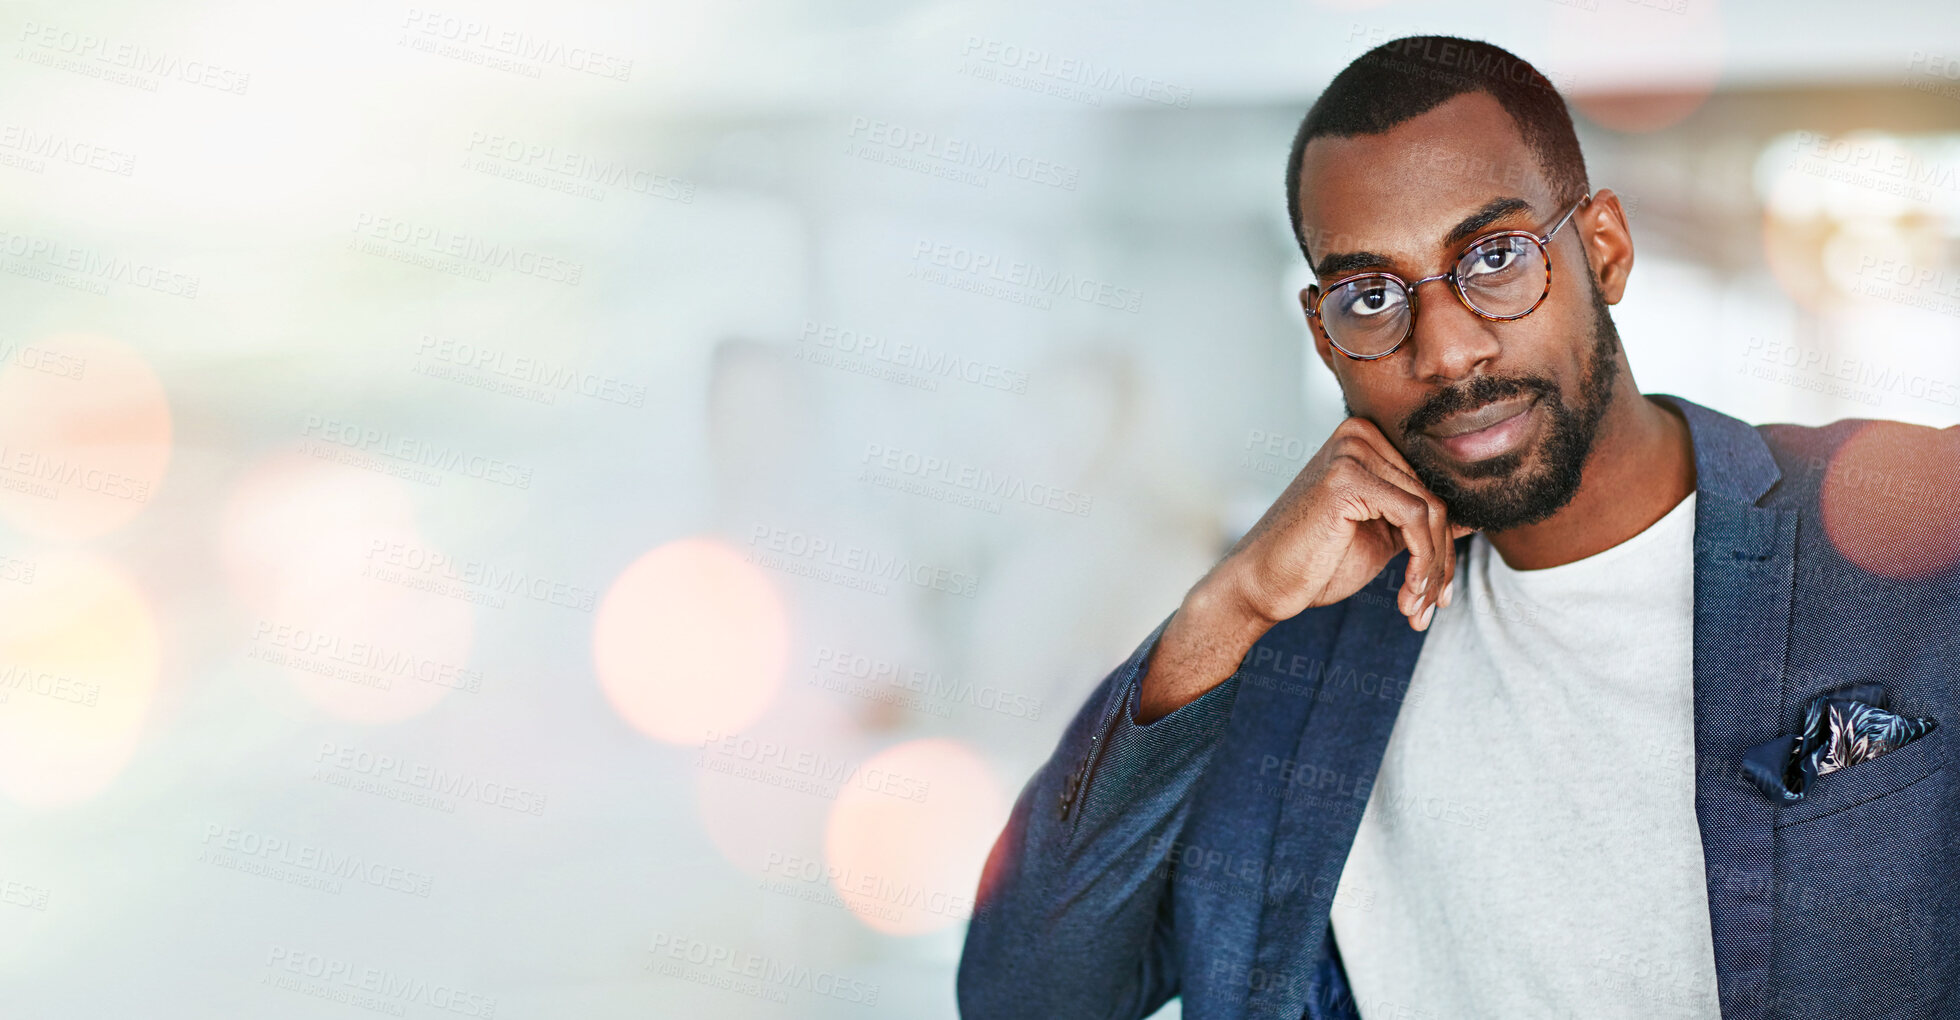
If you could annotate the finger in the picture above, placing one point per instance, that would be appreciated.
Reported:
(1375, 495)
(1439, 521)
(1448, 594)
(1397, 467)
(1367, 432)
(1456, 531)
(1429, 571)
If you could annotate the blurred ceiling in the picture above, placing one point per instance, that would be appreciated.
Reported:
(800, 55)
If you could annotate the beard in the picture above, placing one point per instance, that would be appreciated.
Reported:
(1510, 495)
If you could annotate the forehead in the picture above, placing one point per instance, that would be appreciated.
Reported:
(1399, 192)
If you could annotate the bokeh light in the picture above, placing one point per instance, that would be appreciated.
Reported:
(1843, 223)
(906, 843)
(79, 663)
(1888, 500)
(1678, 42)
(690, 639)
(347, 600)
(85, 435)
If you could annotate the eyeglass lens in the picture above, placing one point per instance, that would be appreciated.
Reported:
(1501, 278)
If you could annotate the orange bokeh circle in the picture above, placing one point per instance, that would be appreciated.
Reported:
(690, 639)
(906, 843)
(1888, 500)
(85, 435)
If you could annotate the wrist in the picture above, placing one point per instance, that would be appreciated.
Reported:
(1225, 602)
(1207, 638)
(1221, 618)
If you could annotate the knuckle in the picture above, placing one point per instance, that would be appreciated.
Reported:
(1346, 464)
(1354, 430)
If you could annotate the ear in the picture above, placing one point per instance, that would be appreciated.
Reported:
(1320, 344)
(1608, 243)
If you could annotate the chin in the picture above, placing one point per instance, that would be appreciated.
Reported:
(1504, 492)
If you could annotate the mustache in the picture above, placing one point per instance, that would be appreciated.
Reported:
(1476, 393)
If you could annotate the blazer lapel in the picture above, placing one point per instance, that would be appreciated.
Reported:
(1342, 741)
(1236, 811)
(1744, 574)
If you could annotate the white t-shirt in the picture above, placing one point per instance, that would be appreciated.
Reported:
(1529, 848)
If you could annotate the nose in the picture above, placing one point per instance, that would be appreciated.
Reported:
(1450, 341)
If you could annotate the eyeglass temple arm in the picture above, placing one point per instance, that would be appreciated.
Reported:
(1568, 215)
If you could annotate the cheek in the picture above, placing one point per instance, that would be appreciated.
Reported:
(1384, 401)
(1554, 342)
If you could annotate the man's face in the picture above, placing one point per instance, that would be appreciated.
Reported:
(1497, 418)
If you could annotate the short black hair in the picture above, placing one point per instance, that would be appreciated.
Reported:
(1405, 78)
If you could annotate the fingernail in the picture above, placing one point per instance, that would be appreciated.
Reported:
(1421, 583)
(1423, 621)
(1449, 590)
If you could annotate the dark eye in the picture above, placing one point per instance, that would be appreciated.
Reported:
(1371, 298)
(1497, 258)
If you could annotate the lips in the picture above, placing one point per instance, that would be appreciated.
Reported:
(1488, 431)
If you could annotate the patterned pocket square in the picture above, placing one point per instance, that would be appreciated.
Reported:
(1840, 730)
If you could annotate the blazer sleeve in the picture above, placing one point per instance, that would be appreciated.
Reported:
(1072, 918)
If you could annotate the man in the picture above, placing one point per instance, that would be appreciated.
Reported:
(1531, 696)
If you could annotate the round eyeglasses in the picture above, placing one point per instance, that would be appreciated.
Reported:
(1501, 276)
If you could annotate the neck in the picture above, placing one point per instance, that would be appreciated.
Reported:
(1641, 466)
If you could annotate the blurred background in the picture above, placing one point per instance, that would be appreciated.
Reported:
(595, 509)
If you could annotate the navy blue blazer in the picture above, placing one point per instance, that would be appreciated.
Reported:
(1182, 858)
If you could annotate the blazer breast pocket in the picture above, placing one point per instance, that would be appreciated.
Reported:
(1868, 780)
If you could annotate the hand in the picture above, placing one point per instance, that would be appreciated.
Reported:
(1350, 510)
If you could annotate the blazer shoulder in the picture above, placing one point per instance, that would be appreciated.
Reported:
(1860, 452)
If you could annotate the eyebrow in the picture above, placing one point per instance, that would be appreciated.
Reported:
(1494, 210)
(1344, 263)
